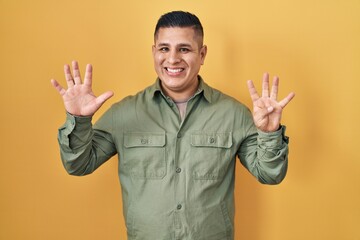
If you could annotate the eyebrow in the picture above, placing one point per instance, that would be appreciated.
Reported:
(178, 45)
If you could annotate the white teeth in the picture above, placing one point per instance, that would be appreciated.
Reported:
(174, 70)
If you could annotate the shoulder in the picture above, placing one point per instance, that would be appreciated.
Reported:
(220, 99)
(131, 100)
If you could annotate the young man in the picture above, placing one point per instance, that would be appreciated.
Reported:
(177, 140)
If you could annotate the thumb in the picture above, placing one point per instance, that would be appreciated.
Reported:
(100, 100)
(270, 109)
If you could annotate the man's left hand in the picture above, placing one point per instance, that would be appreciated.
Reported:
(266, 109)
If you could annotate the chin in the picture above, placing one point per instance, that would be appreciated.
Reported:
(172, 82)
(173, 87)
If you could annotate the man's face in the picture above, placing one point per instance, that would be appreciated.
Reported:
(178, 55)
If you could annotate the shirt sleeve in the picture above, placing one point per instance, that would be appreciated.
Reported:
(265, 155)
(82, 148)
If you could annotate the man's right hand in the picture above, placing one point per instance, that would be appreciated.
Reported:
(79, 99)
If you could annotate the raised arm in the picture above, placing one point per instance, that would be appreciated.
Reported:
(267, 110)
(79, 99)
(82, 148)
(265, 153)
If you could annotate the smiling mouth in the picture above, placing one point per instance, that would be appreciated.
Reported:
(174, 70)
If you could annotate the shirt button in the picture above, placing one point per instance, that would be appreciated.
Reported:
(144, 141)
(178, 135)
(178, 170)
(212, 140)
(178, 207)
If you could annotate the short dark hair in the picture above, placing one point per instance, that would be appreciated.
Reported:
(179, 19)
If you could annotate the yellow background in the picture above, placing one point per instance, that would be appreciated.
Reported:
(313, 45)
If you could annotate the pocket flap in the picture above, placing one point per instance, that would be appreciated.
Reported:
(220, 140)
(144, 139)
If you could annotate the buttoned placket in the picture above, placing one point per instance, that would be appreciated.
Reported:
(176, 171)
(179, 170)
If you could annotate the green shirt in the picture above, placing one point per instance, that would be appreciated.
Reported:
(177, 176)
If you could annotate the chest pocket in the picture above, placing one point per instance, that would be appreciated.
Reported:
(144, 154)
(211, 155)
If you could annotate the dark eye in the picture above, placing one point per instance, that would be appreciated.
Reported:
(164, 49)
(184, 50)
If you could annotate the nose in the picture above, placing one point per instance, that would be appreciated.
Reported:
(174, 57)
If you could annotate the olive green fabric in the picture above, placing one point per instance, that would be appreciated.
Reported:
(177, 177)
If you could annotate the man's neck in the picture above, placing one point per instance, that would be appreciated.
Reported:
(181, 96)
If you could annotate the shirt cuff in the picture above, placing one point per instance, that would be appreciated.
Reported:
(78, 121)
(72, 122)
(273, 139)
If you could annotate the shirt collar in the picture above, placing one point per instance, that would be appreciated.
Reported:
(155, 89)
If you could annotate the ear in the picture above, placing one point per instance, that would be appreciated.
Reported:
(153, 50)
(203, 52)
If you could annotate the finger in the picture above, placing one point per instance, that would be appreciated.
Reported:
(265, 85)
(58, 87)
(252, 90)
(274, 88)
(88, 75)
(76, 71)
(104, 97)
(269, 107)
(68, 76)
(260, 116)
(287, 99)
(264, 106)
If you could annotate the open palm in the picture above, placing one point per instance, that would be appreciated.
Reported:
(267, 110)
(79, 98)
